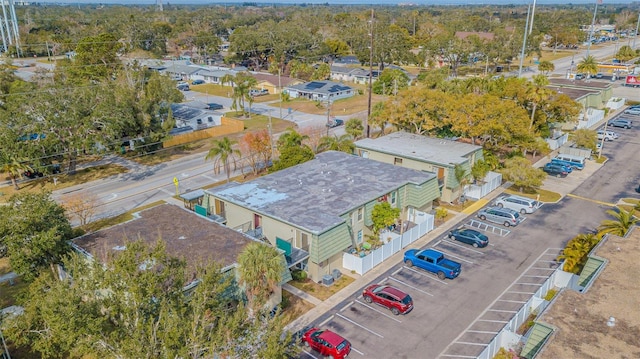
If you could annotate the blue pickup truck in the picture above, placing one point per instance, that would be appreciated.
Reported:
(432, 261)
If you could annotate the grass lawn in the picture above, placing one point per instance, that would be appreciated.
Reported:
(545, 196)
(320, 291)
(64, 180)
(293, 306)
(339, 108)
(10, 293)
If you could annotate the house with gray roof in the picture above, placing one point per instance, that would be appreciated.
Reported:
(435, 155)
(193, 116)
(320, 91)
(318, 210)
(194, 238)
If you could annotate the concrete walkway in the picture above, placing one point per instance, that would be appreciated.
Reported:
(301, 294)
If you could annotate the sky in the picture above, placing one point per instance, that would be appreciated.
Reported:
(343, 2)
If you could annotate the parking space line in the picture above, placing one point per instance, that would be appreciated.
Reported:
(424, 274)
(536, 276)
(345, 307)
(591, 200)
(396, 272)
(481, 332)
(357, 351)
(526, 293)
(502, 311)
(326, 321)
(456, 257)
(469, 343)
(527, 283)
(493, 321)
(456, 356)
(311, 355)
(376, 310)
(544, 268)
(454, 243)
(512, 301)
(410, 286)
(359, 325)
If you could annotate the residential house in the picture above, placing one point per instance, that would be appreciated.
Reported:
(351, 74)
(418, 152)
(319, 209)
(188, 236)
(320, 91)
(193, 116)
(274, 83)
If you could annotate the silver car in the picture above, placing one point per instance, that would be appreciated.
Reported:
(517, 203)
(505, 216)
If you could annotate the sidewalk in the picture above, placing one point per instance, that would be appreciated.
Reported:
(357, 285)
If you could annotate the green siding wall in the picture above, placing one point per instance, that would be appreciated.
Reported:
(329, 243)
(420, 196)
(451, 175)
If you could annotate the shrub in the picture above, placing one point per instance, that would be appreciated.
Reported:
(299, 275)
(441, 213)
(550, 294)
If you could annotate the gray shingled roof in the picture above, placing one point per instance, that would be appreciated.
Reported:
(314, 195)
(419, 147)
(324, 87)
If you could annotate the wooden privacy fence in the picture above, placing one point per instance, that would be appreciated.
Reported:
(227, 126)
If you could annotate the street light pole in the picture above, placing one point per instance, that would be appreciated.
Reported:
(636, 35)
(366, 127)
(593, 25)
(524, 41)
(273, 151)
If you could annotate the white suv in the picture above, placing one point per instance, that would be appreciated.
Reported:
(607, 136)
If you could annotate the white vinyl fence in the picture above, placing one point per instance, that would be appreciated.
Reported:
(491, 181)
(394, 243)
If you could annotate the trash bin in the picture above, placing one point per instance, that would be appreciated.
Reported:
(336, 274)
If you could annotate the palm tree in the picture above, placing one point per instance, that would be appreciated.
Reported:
(537, 93)
(223, 152)
(588, 65)
(354, 128)
(620, 225)
(343, 143)
(13, 167)
(260, 268)
(228, 78)
(291, 138)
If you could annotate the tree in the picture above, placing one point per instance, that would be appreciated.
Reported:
(575, 253)
(13, 167)
(546, 67)
(354, 128)
(223, 154)
(256, 147)
(261, 268)
(35, 232)
(462, 176)
(82, 206)
(626, 53)
(343, 143)
(134, 305)
(537, 94)
(479, 170)
(620, 224)
(588, 65)
(390, 82)
(383, 215)
(585, 138)
(519, 171)
(96, 58)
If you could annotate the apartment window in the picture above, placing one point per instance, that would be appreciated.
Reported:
(393, 197)
(304, 241)
(359, 239)
(360, 214)
(397, 161)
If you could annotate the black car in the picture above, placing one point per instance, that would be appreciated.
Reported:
(213, 106)
(555, 170)
(197, 82)
(469, 236)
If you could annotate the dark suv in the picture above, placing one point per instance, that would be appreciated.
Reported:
(555, 170)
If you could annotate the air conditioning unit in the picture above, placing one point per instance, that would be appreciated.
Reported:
(327, 280)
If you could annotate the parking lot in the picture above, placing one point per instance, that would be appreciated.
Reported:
(457, 318)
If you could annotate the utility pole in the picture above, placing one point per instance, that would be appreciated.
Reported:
(533, 12)
(593, 25)
(366, 126)
(636, 35)
(273, 151)
(524, 42)
(328, 115)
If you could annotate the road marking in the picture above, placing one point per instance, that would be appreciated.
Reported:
(491, 321)
(424, 274)
(376, 310)
(469, 343)
(396, 272)
(525, 293)
(113, 196)
(184, 175)
(326, 321)
(481, 332)
(591, 200)
(357, 351)
(537, 276)
(456, 257)
(503, 311)
(345, 307)
(410, 286)
(208, 177)
(361, 326)
(455, 243)
(167, 191)
(512, 301)
(456, 356)
(311, 355)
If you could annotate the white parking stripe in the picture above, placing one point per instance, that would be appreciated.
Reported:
(502, 311)
(454, 243)
(376, 310)
(361, 326)
(311, 355)
(326, 321)
(346, 306)
(357, 351)
(482, 332)
(512, 301)
(456, 257)
(424, 274)
(457, 356)
(396, 272)
(469, 343)
(410, 286)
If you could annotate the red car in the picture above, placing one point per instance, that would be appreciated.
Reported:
(389, 297)
(327, 343)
